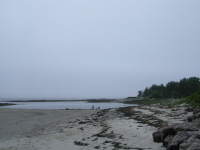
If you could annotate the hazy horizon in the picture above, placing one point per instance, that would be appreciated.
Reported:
(96, 49)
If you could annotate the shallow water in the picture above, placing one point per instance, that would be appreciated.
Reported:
(65, 105)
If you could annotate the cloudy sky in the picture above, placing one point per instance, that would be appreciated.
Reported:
(96, 48)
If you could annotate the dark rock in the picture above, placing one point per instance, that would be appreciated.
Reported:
(189, 109)
(196, 110)
(196, 113)
(82, 122)
(167, 140)
(192, 143)
(107, 141)
(177, 139)
(95, 139)
(173, 146)
(183, 136)
(97, 147)
(197, 123)
(190, 118)
(161, 134)
(80, 143)
(173, 109)
(187, 126)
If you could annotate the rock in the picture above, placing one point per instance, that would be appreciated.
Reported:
(187, 126)
(189, 109)
(177, 139)
(81, 143)
(193, 143)
(82, 122)
(167, 140)
(196, 113)
(196, 122)
(190, 118)
(173, 109)
(173, 146)
(183, 136)
(97, 147)
(196, 110)
(161, 134)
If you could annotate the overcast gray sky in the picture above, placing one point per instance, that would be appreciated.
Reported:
(96, 48)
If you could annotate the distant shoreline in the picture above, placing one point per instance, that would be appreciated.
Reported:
(138, 101)
(44, 100)
(6, 104)
(86, 100)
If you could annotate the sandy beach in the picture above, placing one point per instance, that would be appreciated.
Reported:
(112, 129)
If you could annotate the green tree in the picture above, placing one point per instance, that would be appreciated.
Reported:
(183, 87)
(193, 84)
(146, 92)
(139, 94)
(172, 89)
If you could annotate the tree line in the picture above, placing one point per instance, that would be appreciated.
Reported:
(172, 89)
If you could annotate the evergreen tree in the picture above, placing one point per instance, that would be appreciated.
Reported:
(173, 89)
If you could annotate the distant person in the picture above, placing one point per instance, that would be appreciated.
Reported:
(92, 107)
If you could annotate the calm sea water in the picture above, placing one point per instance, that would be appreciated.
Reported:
(64, 105)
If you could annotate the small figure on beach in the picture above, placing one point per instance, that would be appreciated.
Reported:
(98, 107)
(92, 107)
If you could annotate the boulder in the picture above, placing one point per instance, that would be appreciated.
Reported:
(189, 109)
(177, 135)
(161, 134)
(196, 122)
(173, 146)
(196, 113)
(192, 143)
(190, 118)
(186, 126)
(167, 140)
(182, 136)
(177, 139)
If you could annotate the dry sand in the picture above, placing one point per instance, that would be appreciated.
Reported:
(22, 129)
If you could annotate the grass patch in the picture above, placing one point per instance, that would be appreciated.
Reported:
(193, 100)
(179, 102)
(163, 102)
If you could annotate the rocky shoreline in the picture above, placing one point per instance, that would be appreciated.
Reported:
(178, 126)
(181, 136)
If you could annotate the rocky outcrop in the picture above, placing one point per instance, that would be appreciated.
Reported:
(189, 109)
(161, 134)
(184, 136)
(196, 113)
